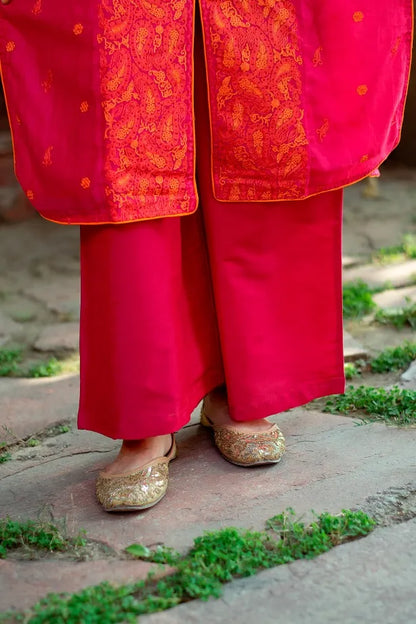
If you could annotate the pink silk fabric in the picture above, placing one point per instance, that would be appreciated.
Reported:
(304, 97)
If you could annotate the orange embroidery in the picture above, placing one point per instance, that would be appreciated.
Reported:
(323, 130)
(364, 158)
(48, 82)
(78, 29)
(18, 120)
(47, 158)
(258, 141)
(85, 183)
(30, 195)
(317, 57)
(358, 16)
(84, 106)
(10, 46)
(146, 95)
(37, 7)
(396, 46)
(362, 89)
(267, 52)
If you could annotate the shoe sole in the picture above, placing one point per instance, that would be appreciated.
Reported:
(263, 463)
(134, 507)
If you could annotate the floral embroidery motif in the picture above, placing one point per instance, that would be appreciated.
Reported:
(358, 16)
(30, 195)
(37, 7)
(85, 183)
(396, 46)
(10, 46)
(323, 130)
(47, 158)
(48, 82)
(84, 106)
(256, 100)
(78, 29)
(317, 57)
(364, 158)
(146, 93)
(362, 89)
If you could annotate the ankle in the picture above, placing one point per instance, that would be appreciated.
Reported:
(134, 446)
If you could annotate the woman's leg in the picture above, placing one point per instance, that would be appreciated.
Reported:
(276, 271)
(149, 343)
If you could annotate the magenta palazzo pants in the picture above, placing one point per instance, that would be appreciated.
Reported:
(246, 294)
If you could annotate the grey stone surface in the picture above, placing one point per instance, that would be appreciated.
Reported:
(367, 581)
(397, 298)
(24, 583)
(353, 349)
(29, 405)
(60, 295)
(408, 378)
(401, 274)
(410, 374)
(8, 327)
(58, 337)
(330, 464)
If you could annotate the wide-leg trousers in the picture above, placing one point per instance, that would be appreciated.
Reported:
(246, 294)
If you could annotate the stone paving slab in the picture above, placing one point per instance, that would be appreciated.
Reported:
(353, 349)
(60, 295)
(58, 337)
(397, 275)
(397, 298)
(371, 580)
(28, 406)
(23, 583)
(8, 327)
(331, 463)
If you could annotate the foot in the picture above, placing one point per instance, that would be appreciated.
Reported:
(216, 409)
(136, 453)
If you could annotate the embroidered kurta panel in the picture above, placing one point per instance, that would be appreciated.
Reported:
(303, 97)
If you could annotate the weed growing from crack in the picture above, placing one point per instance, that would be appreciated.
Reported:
(398, 317)
(55, 430)
(351, 370)
(34, 536)
(9, 359)
(357, 299)
(396, 406)
(397, 253)
(216, 558)
(394, 358)
(45, 369)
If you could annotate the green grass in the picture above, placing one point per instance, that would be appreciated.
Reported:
(34, 536)
(352, 370)
(398, 317)
(397, 253)
(395, 406)
(357, 299)
(46, 369)
(9, 360)
(394, 358)
(216, 558)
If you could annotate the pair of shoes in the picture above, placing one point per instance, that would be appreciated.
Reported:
(246, 449)
(137, 490)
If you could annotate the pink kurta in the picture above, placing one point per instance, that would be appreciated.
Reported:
(303, 96)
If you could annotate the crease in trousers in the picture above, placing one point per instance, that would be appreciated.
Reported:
(247, 294)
